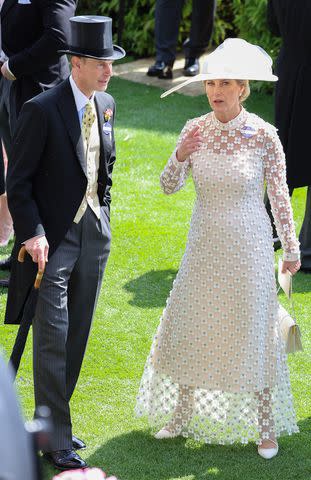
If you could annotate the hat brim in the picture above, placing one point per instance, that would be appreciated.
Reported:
(118, 53)
(209, 76)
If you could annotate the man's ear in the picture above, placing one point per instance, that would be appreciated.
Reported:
(75, 62)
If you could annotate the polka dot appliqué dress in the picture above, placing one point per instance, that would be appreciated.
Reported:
(219, 334)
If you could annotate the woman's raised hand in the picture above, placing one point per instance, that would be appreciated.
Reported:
(191, 143)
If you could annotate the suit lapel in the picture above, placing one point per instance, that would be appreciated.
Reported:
(68, 111)
(102, 136)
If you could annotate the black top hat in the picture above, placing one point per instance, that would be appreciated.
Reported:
(91, 36)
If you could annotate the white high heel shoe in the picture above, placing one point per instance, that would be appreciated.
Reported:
(164, 433)
(268, 453)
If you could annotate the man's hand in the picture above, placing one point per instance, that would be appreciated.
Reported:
(190, 144)
(38, 248)
(6, 73)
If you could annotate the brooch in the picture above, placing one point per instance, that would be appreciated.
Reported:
(248, 131)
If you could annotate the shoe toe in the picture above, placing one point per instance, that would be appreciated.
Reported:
(77, 443)
(65, 459)
(163, 433)
(160, 70)
(268, 453)
(192, 67)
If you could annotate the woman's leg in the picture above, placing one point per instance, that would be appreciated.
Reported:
(265, 420)
(183, 411)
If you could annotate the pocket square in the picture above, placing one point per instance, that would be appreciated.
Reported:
(24, 2)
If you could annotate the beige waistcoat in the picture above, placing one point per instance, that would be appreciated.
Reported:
(91, 151)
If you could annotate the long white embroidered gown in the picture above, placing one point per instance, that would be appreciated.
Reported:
(219, 333)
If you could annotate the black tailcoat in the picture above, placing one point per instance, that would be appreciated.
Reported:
(46, 178)
(292, 21)
(31, 34)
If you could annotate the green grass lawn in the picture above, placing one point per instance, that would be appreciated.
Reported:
(149, 235)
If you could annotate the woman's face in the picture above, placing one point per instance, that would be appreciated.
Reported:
(224, 98)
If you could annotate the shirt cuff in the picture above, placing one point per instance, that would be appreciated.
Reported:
(8, 68)
(3, 57)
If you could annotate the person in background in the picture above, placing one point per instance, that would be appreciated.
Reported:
(32, 32)
(167, 19)
(291, 21)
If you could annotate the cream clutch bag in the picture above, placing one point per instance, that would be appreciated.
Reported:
(290, 331)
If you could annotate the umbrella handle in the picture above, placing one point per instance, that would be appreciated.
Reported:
(21, 259)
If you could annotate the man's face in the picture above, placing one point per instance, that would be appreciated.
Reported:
(91, 74)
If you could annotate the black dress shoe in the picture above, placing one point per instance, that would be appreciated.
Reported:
(5, 263)
(77, 443)
(4, 282)
(160, 70)
(192, 67)
(65, 459)
(305, 270)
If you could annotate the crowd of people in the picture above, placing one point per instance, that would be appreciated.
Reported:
(217, 369)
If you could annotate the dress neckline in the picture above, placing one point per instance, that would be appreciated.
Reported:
(236, 122)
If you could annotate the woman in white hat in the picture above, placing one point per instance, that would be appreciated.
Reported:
(217, 368)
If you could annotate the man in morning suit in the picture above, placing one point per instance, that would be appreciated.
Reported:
(59, 182)
(32, 32)
(291, 21)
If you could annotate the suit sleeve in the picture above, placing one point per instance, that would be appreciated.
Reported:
(272, 19)
(111, 161)
(55, 18)
(28, 146)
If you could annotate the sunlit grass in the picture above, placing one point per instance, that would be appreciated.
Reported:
(149, 234)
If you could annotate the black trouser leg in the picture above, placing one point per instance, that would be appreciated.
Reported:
(305, 234)
(202, 21)
(167, 20)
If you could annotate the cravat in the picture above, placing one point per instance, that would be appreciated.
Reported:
(87, 121)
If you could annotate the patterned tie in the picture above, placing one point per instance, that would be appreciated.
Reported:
(87, 121)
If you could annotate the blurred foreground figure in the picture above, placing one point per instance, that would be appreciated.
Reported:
(17, 457)
(84, 474)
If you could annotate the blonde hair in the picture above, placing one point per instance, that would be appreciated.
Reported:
(246, 92)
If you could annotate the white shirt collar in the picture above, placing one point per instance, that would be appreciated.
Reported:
(80, 99)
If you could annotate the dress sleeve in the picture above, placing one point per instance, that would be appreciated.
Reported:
(277, 189)
(175, 173)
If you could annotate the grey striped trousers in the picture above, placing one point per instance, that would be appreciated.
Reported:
(66, 304)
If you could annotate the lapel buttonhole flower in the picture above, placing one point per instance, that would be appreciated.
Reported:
(108, 114)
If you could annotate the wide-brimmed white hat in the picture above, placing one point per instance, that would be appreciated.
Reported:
(234, 59)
